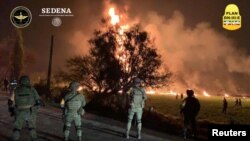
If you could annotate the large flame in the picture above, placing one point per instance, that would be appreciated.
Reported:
(114, 18)
(121, 54)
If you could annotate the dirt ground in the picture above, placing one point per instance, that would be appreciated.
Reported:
(95, 128)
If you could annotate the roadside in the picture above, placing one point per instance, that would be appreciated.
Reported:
(95, 128)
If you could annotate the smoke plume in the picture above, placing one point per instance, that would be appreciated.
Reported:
(201, 57)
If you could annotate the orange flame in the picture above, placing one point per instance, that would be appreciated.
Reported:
(114, 18)
(206, 94)
(151, 92)
(80, 88)
(121, 53)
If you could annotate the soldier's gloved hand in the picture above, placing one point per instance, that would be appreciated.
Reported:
(10, 102)
(12, 111)
(40, 103)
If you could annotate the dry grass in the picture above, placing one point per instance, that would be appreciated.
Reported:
(211, 108)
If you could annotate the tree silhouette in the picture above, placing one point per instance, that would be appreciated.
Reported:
(115, 59)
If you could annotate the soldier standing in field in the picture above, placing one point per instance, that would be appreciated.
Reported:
(224, 110)
(189, 109)
(239, 101)
(137, 97)
(73, 110)
(236, 102)
(181, 95)
(24, 104)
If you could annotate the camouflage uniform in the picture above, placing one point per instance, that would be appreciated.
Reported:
(25, 101)
(190, 108)
(73, 110)
(137, 98)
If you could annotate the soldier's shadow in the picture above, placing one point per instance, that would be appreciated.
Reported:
(107, 131)
(48, 137)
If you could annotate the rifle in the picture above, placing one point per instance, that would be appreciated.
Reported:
(11, 107)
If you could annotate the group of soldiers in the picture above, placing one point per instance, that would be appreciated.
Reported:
(225, 104)
(25, 102)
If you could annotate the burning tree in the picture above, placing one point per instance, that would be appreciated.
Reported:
(118, 54)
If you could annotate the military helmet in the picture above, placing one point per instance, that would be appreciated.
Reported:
(74, 85)
(190, 93)
(24, 80)
(137, 81)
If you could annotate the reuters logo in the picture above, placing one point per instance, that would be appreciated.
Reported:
(20, 17)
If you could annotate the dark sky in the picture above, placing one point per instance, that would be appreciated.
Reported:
(87, 14)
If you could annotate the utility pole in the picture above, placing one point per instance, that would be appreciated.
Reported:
(50, 62)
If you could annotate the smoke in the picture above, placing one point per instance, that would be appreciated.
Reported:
(201, 57)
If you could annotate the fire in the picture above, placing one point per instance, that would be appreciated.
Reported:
(120, 91)
(206, 94)
(80, 88)
(122, 29)
(172, 93)
(151, 92)
(114, 18)
(226, 95)
(121, 53)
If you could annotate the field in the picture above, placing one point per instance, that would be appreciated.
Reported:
(211, 108)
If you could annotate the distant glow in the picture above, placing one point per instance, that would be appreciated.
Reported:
(163, 93)
(62, 103)
(150, 92)
(80, 88)
(206, 94)
(172, 93)
(94, 88)
(226, 95)
(120, 92)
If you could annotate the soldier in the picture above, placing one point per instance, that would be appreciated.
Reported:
(181, 95)
(189, 109)
(24, 104)
(239, 102)
(176, 96)
(137, 98)
(73, 110)
(236, 102)
(224, 110)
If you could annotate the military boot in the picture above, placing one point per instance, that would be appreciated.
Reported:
(139, 135)
(185, 134)
(127, 135)
(79, 138)
(66, 138)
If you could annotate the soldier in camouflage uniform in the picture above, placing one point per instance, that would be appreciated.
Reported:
(24, 104)
(137, 97)
(73, 110)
